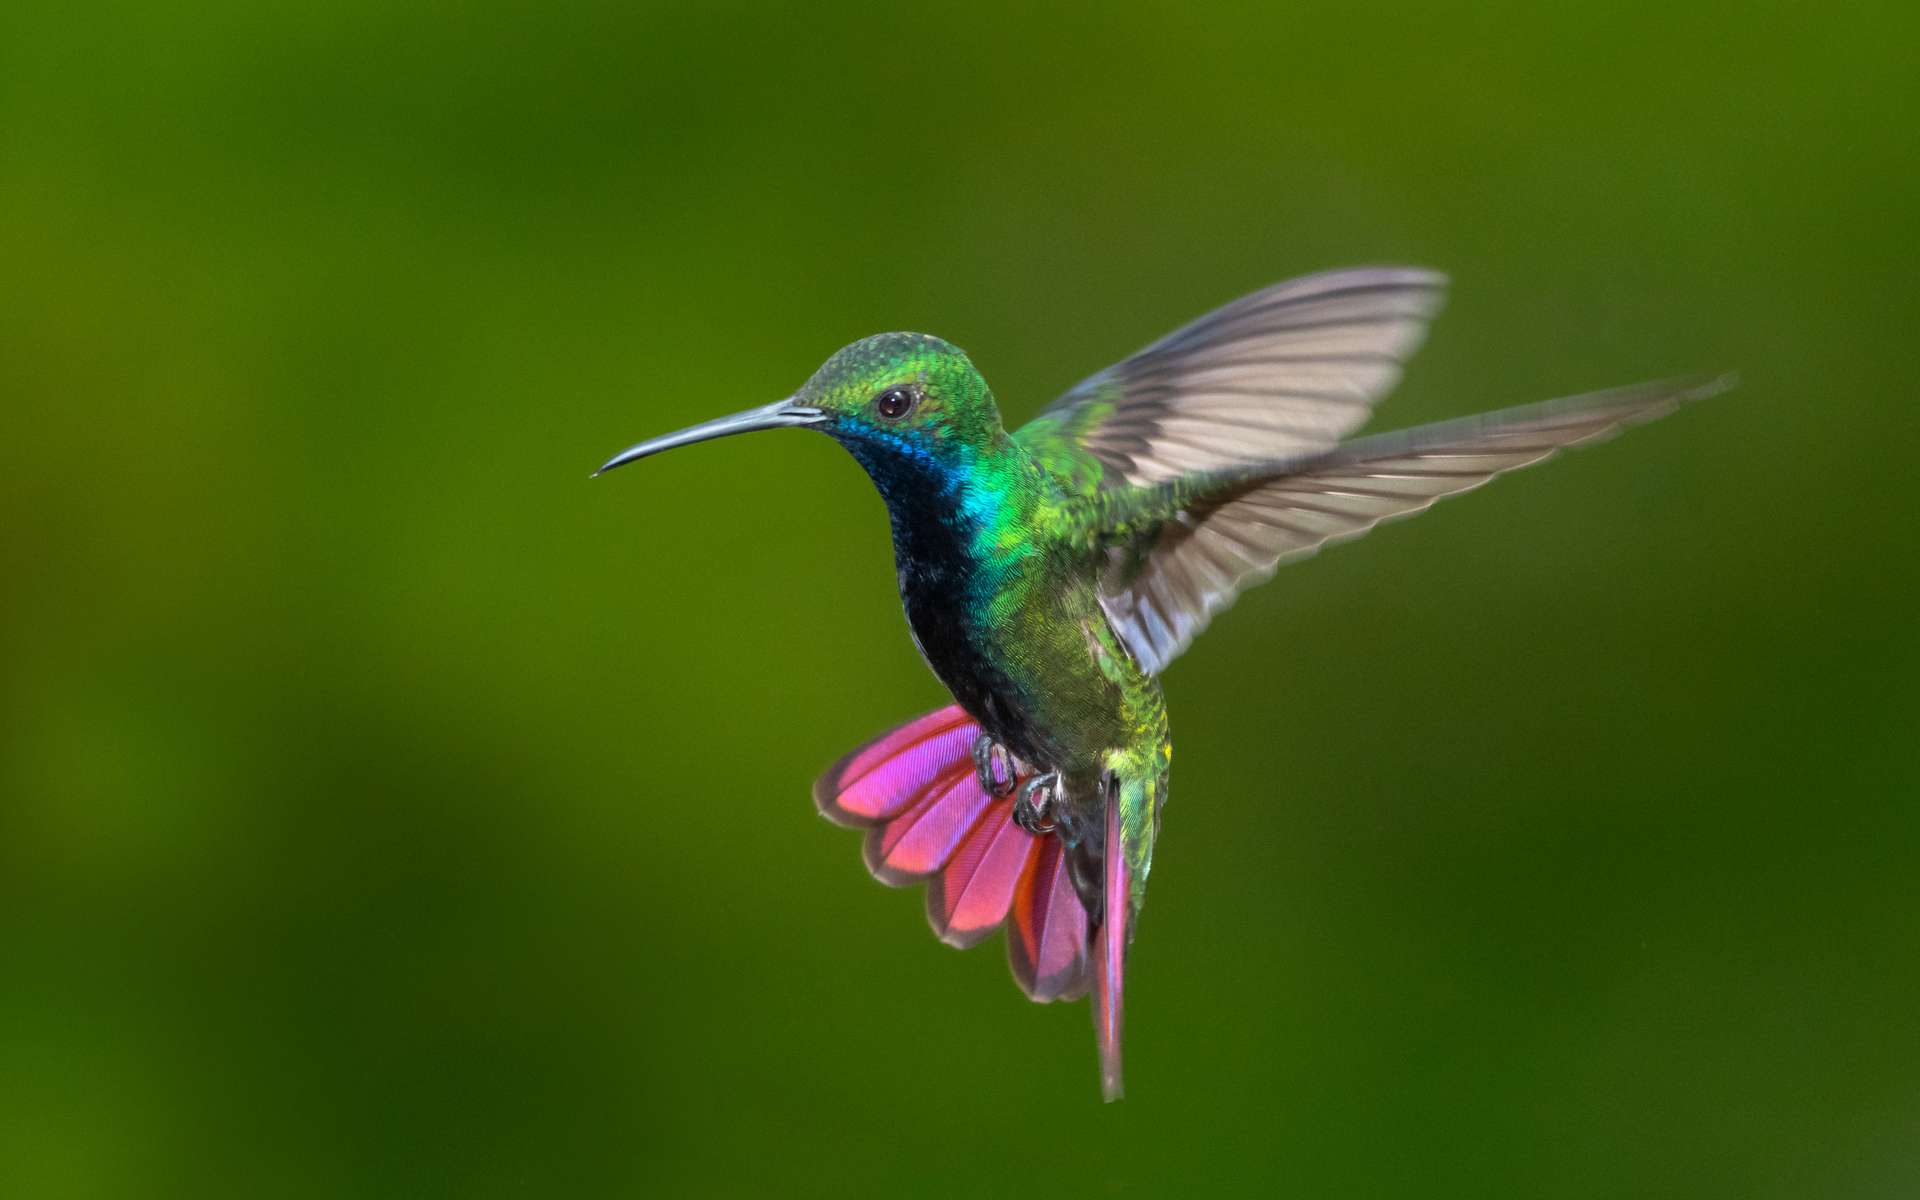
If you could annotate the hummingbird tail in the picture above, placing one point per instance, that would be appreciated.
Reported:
(1111, 946)
(916, 792)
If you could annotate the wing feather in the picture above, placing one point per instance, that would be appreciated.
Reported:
(1280, 374)
(1222, 537)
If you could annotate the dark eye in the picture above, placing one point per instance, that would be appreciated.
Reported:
(894, 403)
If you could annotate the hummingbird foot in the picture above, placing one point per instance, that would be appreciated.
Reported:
(1033, 811)
(995, 766)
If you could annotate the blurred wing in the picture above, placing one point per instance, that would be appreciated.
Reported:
(1161, 594)
(1275, 376)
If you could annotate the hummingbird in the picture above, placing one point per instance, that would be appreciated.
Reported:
(1050, 574)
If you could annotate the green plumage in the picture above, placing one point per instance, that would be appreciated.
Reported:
(1050, 574)
(1000, 541)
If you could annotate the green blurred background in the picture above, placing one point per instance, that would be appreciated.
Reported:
(389, 811)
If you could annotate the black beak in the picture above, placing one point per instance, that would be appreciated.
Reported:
(777, 415)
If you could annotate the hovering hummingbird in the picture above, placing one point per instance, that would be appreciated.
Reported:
(1050, 574)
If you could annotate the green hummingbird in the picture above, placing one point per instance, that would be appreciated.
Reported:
(1051, 574)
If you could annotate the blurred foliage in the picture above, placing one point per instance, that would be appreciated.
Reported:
(387, 810)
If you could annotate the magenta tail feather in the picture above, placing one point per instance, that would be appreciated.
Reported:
(1109, 1008)
(915, 792)
(920, 841)
(1047, 942)
(970, 898)
(881, 779)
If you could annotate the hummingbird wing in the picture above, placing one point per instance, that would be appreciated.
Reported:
(1181, 551)
(1277, 375)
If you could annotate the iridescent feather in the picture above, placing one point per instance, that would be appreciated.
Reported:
(1051, 574)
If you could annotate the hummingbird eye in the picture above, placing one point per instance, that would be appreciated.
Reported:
(894, 403)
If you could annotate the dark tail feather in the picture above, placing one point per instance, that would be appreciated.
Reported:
(1110, 941)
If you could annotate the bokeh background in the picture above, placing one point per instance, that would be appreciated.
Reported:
(386, 810)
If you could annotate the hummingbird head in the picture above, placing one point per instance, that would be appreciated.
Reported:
(893, 398)
(902, 393)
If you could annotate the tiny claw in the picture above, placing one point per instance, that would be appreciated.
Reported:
(994, 764)
(1032, 811)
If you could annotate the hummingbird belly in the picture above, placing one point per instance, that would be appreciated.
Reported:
(1037, 678)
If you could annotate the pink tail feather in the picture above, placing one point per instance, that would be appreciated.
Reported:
(1110, 980)
(915, 792)
(1047, 946)
(970, 897)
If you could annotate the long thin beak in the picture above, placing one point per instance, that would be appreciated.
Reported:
(772, 416)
